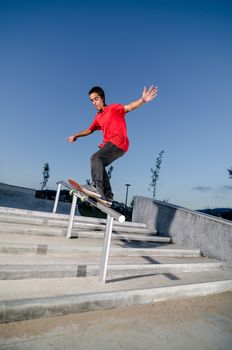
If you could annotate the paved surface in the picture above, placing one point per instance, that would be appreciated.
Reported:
(203, 323)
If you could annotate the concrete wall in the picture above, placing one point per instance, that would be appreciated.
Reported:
(186, 227)
(24, 198)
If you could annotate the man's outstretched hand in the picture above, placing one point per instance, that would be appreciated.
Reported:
(149, 94)
(71, 138)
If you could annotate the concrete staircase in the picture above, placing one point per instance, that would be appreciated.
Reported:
(42, 273)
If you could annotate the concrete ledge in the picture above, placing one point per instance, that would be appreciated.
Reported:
(15, 310)
(187, 227)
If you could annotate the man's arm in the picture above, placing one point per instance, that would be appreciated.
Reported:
(147, 96)
(82, 133)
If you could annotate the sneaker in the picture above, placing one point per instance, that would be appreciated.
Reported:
(109, 198)
(93, 191)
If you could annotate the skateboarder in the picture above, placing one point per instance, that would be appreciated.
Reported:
(111, 120)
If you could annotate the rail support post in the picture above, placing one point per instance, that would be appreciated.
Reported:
(71, 217)
(106, 249)
(57, 198)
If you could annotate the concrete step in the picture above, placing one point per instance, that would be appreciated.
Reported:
(82, 234)
(8, 228)
(79, 222)
(85, 251)
(27, 212)
(12, 214)
(56, 229)
(36, 298)
(15, 272)
(29, 222)
(122, 236)
(54, 246)
(30, 259)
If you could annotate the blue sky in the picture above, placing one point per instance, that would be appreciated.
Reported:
(53, 52)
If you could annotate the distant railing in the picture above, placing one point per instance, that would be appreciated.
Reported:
(111, 215)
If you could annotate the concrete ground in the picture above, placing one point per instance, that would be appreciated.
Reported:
(203, 323)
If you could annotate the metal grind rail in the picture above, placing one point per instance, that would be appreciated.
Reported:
(111, 216)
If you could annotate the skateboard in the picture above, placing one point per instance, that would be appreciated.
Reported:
(84, 194)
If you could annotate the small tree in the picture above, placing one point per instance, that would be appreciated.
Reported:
(155, 174)
(45, 175)
(230, 172)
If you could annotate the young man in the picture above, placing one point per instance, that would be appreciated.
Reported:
(111, 120)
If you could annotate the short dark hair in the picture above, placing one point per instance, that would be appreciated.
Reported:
(98, 91)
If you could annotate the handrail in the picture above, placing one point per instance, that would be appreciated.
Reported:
(109, 211)
(111, 215)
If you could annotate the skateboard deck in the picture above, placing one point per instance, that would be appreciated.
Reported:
(84, 194)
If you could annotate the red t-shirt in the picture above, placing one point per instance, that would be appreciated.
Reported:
(113, 125)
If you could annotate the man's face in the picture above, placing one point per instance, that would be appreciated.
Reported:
(97, 101)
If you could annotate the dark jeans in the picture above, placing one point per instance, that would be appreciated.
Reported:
(99, 161)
